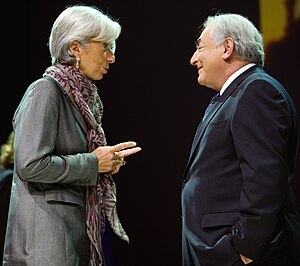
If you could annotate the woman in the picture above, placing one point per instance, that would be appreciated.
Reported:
(62, 186)
(6, 174)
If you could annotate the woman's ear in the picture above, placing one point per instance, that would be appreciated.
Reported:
(75, 48)
(228, 45)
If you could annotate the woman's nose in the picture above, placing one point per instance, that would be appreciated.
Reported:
(111, 58)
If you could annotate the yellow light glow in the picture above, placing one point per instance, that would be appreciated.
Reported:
(273, 18)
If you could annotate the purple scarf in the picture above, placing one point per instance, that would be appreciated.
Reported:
(101, 198)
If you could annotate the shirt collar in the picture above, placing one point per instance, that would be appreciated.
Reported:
(234, 76)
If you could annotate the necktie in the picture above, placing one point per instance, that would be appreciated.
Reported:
(213, 100)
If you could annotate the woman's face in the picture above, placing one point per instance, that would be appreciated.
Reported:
(95, 59)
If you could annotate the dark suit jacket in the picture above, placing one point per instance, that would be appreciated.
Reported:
(236, 180)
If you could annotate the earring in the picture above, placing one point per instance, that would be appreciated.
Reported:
(77, 62)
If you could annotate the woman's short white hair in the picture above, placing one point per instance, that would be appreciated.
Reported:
(247, 39)
(82, 24)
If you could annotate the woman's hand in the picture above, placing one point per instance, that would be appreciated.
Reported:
(111, 158)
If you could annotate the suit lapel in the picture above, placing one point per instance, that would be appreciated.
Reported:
(201, 129)
(205, 121)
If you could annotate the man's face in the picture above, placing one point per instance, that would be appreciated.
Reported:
(208, 60)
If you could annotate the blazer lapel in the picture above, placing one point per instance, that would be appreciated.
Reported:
(78, 116)
(75, 112)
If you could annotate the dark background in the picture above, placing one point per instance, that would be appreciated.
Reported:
(150, 95)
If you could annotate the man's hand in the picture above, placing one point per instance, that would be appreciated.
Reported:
(245, 259)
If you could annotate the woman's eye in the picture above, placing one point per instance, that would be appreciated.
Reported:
(108, 46)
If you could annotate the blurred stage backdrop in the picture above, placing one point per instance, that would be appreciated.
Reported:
(151, 96)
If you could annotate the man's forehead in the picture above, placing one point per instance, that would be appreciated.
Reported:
(203, 36)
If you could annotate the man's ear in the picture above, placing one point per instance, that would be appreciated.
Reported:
(228, 46)
(74, 47)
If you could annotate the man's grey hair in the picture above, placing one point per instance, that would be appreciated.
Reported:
(247, 39)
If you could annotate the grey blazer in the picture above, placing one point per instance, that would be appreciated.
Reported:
(46, 224)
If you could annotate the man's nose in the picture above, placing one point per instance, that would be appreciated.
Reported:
(194, 59)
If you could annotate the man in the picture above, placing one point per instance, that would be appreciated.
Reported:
(237, 203)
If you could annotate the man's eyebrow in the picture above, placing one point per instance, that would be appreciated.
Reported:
(197, 42)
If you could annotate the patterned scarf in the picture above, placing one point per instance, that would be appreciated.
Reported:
(100, 199)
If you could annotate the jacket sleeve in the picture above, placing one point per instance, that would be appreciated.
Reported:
(47, 148)
(260, 126)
